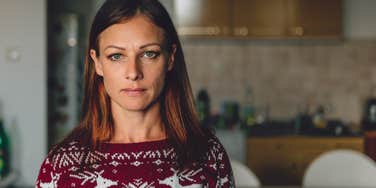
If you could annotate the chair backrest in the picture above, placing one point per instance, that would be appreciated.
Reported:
(341, 168)
(243, 176)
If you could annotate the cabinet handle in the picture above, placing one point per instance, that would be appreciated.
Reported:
(241, 31)
(297, 31)
(213, 30)
(210, 30)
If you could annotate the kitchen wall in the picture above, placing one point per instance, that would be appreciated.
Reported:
(23, 83)
(288, 75)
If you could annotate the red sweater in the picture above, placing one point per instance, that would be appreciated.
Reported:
(145, 165)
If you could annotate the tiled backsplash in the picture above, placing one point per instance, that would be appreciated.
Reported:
(285, 75)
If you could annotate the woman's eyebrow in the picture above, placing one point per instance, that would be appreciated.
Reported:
(141, 47)
(114, 46)
(151, 44)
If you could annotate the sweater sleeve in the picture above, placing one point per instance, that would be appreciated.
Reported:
(47, 176)
(225, 178)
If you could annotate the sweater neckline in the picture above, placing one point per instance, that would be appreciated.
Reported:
(136, 146)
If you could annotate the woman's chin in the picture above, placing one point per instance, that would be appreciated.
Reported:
(135, 108)
(140, 106)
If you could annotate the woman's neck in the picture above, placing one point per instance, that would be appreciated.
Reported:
(137, 126)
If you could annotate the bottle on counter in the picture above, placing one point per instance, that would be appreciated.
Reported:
(369, 115)
(319, 119)
(4, 151)
(203, 107)
(248, 111)
(303, 121)
(230, 112)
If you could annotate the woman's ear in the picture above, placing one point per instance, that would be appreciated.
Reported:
(98, 64)
(171, 59)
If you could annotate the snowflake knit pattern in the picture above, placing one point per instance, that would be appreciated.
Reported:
(135, 165)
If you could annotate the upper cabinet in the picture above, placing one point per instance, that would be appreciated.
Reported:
(203, 17)
(260, 18)
(315, 18)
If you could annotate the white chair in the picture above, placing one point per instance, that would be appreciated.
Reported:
(341, 168)
(243, 176)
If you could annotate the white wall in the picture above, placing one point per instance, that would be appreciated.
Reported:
(23, 83)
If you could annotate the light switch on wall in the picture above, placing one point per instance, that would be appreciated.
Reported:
(12, 54)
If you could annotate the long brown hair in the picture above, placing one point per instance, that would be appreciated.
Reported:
(178, 113)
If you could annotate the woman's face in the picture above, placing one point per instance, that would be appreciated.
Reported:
(133, 63)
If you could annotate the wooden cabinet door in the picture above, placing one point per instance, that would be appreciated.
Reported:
(203, 17)
(284, 160)
(259, 18)
(315, 18)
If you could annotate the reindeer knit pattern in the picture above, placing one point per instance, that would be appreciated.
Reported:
(136, 165)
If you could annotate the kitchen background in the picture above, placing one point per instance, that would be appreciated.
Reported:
(284, 76)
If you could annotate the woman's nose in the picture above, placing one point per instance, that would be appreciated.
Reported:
(133, 70)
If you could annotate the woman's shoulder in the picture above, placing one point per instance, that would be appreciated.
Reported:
(67, 146)
(66, 154)
(214, 145)
(217, 162)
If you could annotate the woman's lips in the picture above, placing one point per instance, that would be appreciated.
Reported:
(133, 92)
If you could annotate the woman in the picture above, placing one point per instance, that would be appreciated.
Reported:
(139, 127)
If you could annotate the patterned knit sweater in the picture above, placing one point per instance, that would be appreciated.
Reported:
(136, 165)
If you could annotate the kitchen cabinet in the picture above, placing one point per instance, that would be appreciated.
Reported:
(312, 19)
(260, 18)
(203, 17)
(283, 160)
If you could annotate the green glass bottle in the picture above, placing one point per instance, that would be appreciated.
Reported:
(4, 151)
(203, 107)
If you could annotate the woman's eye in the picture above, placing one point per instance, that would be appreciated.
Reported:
(150, 54)
(115, 57)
